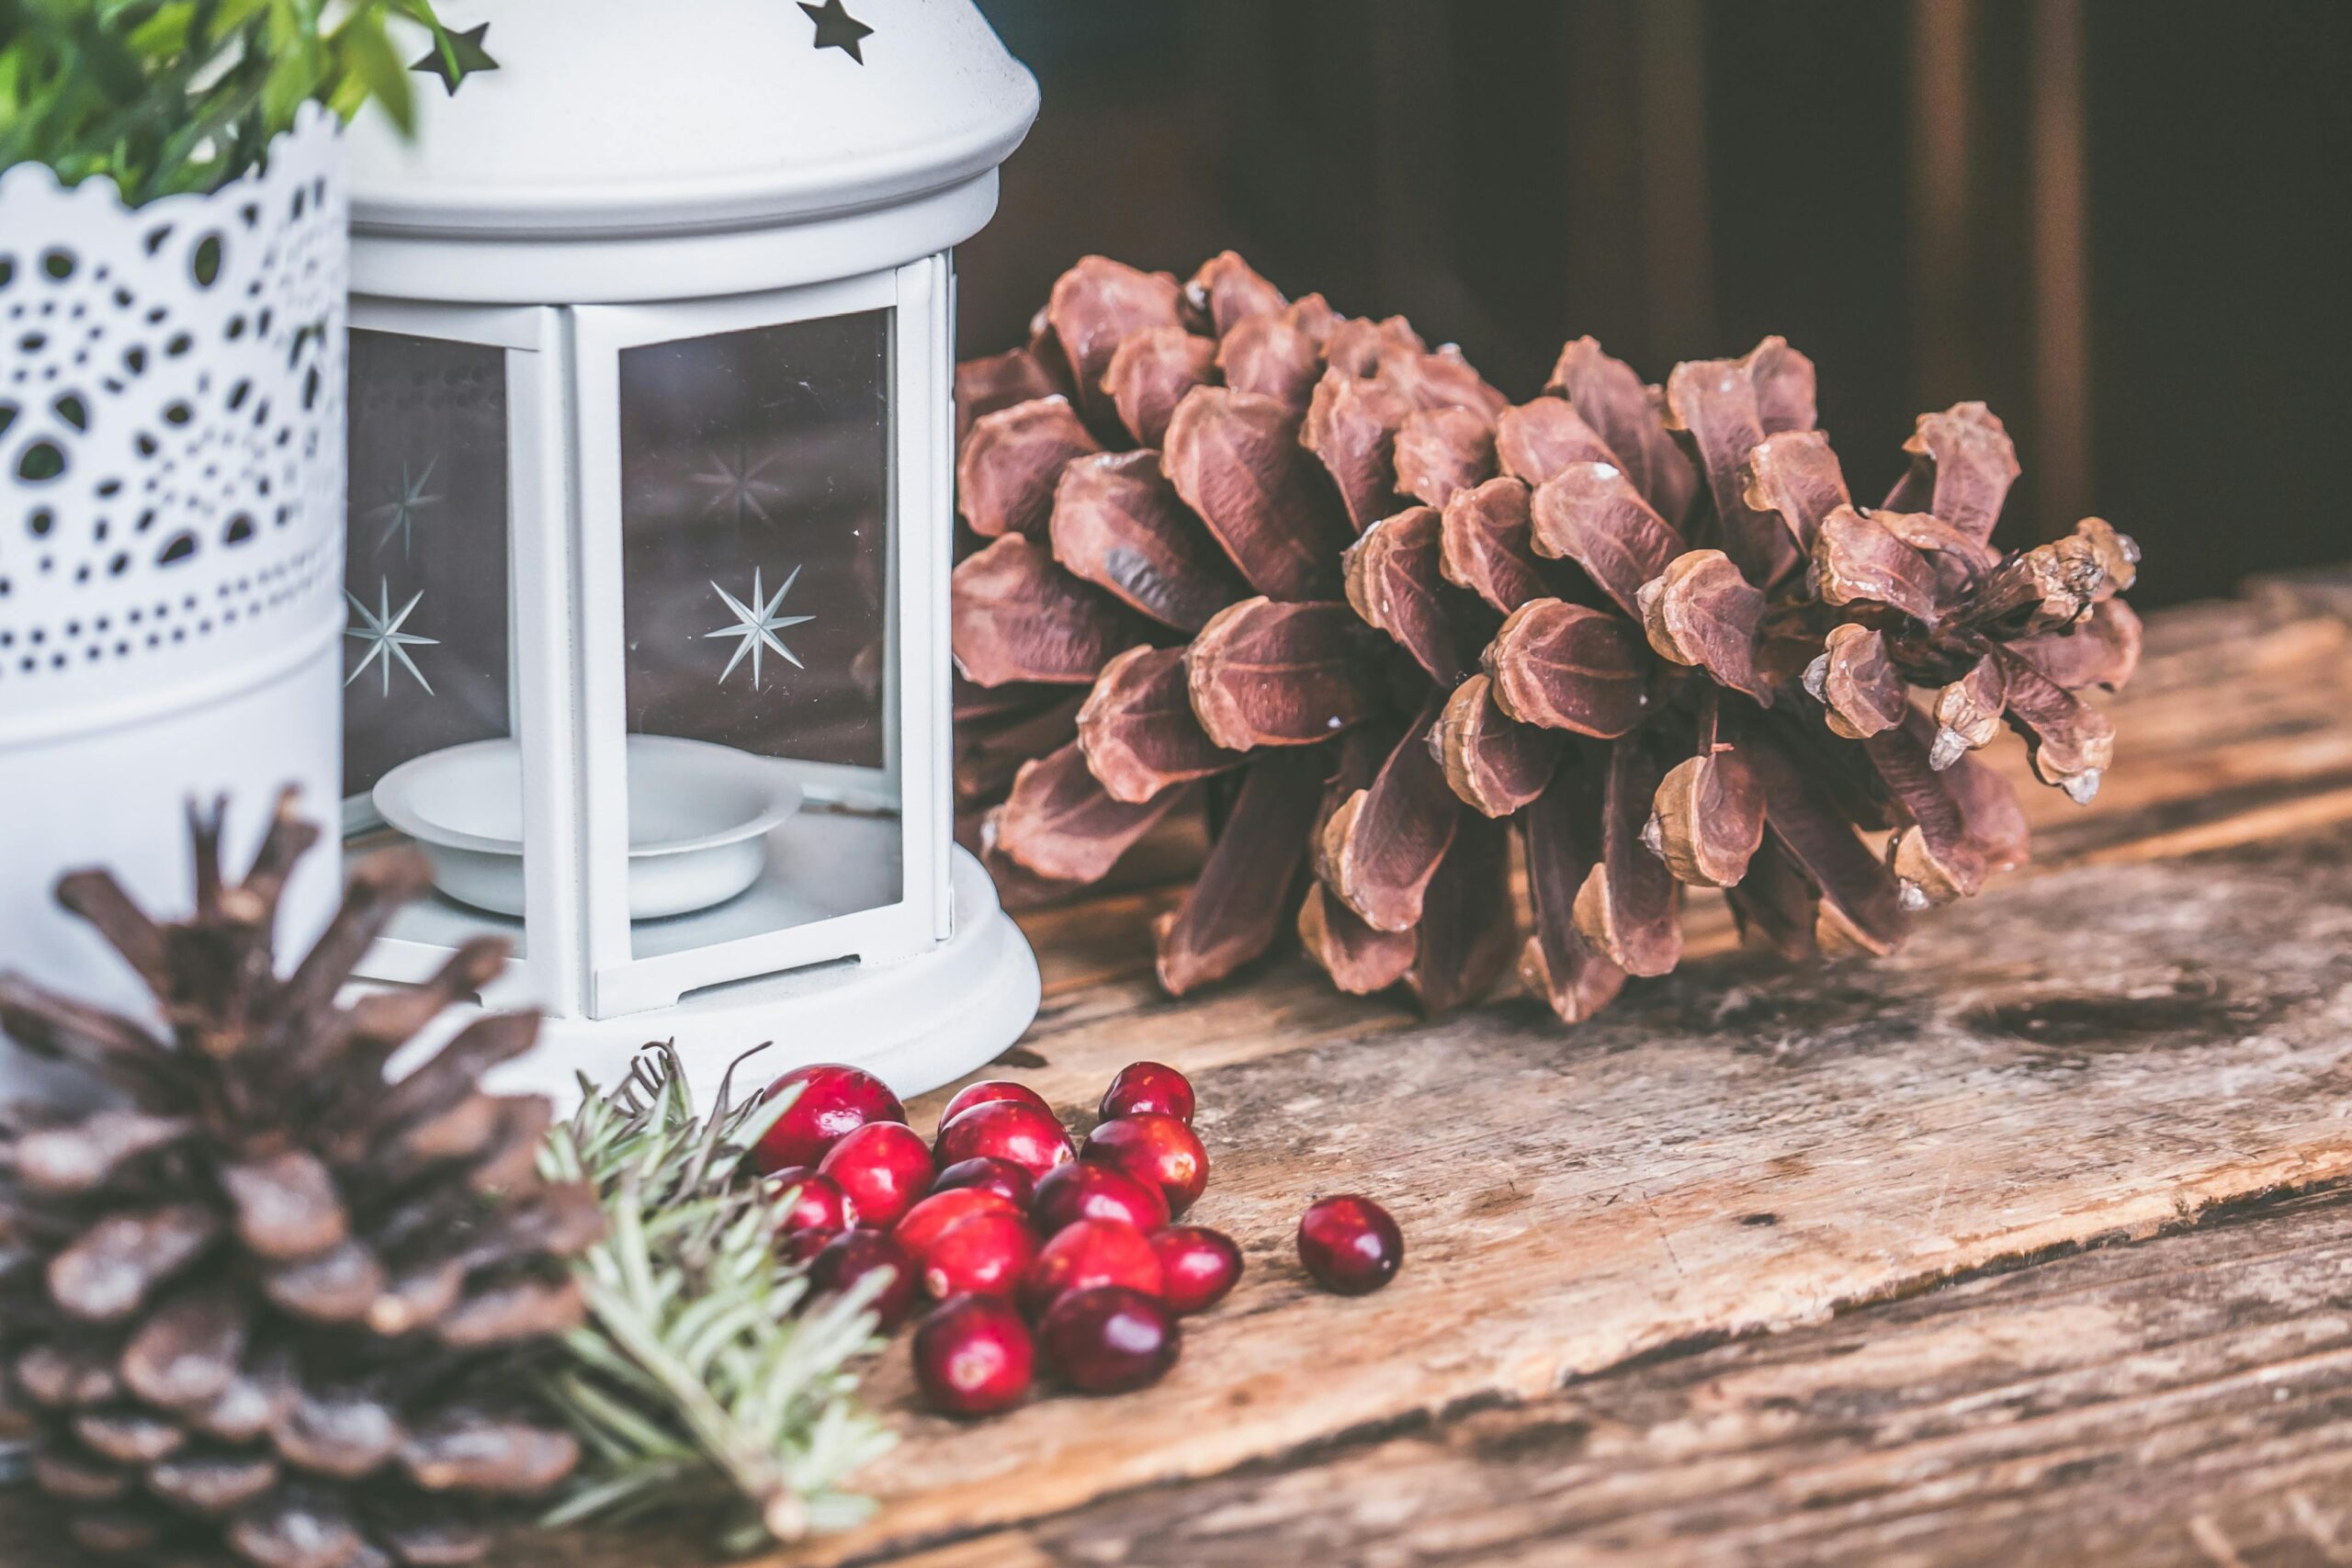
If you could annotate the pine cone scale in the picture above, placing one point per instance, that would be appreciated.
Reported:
(1234, 459)
(1118, 525)
(1380, 849)
(185, 1354)
(211, 1486)
(72, 1160)
(1137, 731)
(1393, 583)
(287, 1206)
(110, 1272)
(1591, 516)
(215, 1369)
(1682, 572)
(1250, 887)
(1485, 545)
(1492, 761)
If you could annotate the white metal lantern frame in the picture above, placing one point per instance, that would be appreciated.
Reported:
(577, 956)
(564, 273)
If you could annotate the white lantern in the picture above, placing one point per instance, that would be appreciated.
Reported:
(650, 525)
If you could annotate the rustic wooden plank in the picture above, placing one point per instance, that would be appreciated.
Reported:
(2101, 1050)
(2186, 1401)
(2104, 1046)
(1737, 1151)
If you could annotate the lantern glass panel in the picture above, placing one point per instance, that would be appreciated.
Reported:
(426, 650)
(757, 579)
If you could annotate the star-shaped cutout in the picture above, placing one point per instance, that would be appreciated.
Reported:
(756, 629)
(408, 497)
(836, 28)
(380, 628)
(455, 56)
(739, 484)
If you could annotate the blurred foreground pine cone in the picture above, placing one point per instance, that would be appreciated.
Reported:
(1223, 541)
(267, 1307)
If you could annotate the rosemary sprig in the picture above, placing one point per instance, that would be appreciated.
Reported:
(698, 1379)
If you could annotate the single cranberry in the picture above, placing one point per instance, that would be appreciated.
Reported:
(1110, 1339)
(1350, 1245)
(1008, 1130)
(1198, 1266)
(989, 1089)
(1148, 1085)
(850, 1257)
(986, 1253)
(1086, 1253)
(1087, 1189)
(928, 1220)
(1154, 1147)
(1001, 1176)
(802, 1246)
(884, 1166)
(822, 1203)
(973, 1355)
(833, 1102)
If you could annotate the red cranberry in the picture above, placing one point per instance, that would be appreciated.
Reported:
(986, 1253)
(822, 1203)
(989, 1089)
(1110, 1339)
(884, 1166)
(834, 1101)
(1086, 1253)
(928, 1221)
(1154, 1147)
(974, 1356)
(852, 1256)
(1001, 1176)
(1199, 1265)
(802, 1246)
(1086, 1190)
(1148, 1085)
(1008, 1130)
(1350, 1245)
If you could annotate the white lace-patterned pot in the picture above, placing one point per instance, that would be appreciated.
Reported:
(170, 533)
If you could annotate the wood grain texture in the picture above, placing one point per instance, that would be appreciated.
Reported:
(2111, 1043)
(2185, 1402)
(1574, 1200)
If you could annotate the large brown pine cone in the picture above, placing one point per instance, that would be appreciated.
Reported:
(1647, 625)
(267, 1306)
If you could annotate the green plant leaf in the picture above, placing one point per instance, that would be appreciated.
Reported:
(704, 1375)
(164, 32)
(375, 65)
(169, 96)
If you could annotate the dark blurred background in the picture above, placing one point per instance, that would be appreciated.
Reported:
(2120, 223)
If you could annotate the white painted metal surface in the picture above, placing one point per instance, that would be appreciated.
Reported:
(634, 177)
(916, 1023)
(627, 151)
(171, 534)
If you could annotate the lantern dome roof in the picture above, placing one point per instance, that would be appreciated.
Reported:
(626, 117)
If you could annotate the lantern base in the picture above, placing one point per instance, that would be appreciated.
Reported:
(916, 1023)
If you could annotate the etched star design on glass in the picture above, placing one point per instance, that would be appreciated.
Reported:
(756, 629)
(380, 628)
(408, 497)
(738, 483)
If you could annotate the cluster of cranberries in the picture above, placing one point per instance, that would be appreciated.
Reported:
(1033, 1246)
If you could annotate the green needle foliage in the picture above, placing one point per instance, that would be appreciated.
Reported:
(172, 95)
(699, 1382)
